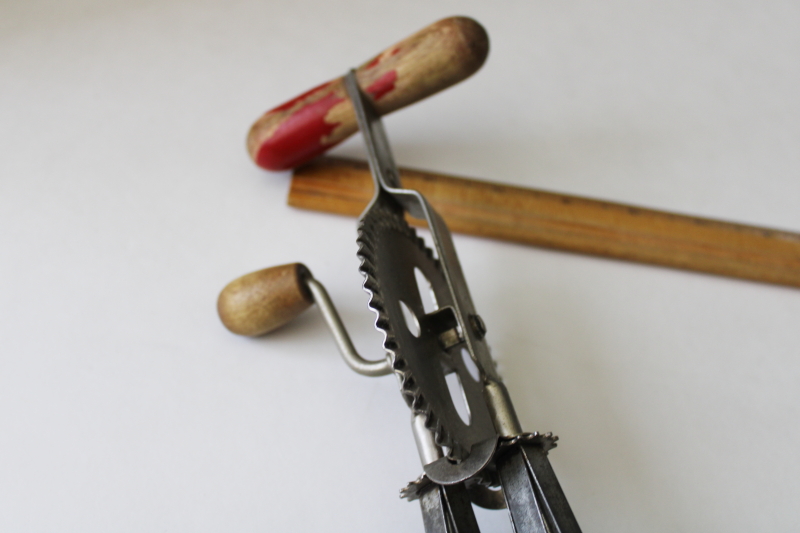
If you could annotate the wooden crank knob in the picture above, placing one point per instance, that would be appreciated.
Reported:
(262, 301)
(432, 59)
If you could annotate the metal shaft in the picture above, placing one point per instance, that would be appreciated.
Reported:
(380, 367)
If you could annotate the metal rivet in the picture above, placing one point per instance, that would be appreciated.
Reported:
(478, 327)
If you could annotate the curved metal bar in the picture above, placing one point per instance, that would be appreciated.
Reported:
(364, 367)
(387, 180)
(428, 450)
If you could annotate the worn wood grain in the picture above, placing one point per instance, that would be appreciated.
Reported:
(262, 301)
(565, 222)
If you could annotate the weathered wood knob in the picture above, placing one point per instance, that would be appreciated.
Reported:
(432, 59)
(262, 301)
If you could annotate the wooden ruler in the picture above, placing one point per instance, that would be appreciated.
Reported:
(564, 222)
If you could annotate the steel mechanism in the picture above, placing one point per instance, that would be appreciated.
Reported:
(486, 459)
(434, 342)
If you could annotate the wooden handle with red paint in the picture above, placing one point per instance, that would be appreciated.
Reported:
(432, 59)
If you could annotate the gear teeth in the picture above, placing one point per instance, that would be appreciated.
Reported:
(382, 215)
(547, 441)
(413, 491)
(419, 404)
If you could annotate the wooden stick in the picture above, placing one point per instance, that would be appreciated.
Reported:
(565, 222)
(432, 59)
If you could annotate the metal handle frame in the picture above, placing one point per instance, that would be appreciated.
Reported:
(380, 367)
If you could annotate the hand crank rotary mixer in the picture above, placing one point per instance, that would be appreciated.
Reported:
(487, 459)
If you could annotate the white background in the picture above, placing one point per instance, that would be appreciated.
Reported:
(127, 201)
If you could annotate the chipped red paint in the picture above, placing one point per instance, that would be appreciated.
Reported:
(382, 85)
(293, 101)
(300, 136)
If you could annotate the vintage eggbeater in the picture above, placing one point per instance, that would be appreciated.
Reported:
(434, 341)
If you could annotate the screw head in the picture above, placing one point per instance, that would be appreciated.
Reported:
(478, 326)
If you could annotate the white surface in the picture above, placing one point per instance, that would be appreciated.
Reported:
(127, 202)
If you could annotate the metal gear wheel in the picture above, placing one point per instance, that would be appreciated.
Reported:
(425, 351)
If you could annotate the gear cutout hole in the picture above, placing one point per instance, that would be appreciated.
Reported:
(470, 365)
(458, 396)
(410, 319)
(426, 293)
